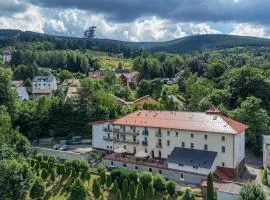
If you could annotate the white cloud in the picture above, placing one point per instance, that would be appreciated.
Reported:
(56, 25)
(31, 19)
(246, 29)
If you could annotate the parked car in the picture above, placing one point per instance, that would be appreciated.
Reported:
(64, 147)
(57, 146)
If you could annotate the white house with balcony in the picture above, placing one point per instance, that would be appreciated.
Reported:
(7, 55)
(183, 146)
(266, 156)
(43, 86)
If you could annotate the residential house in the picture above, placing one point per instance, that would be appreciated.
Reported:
(96, 74)
(43, 86)
(266, 156)
(140, 101)
(7, 56)
(229, 191)
(73, 92)
(17, 83)
(130, 79)
(183, 146)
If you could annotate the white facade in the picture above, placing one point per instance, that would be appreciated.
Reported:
(266, 155)
(7, 56)
(230, 148)
(43, 85)
(102, 136)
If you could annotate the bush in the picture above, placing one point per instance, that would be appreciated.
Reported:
(159, 182)
(38, 189)
(60, 169)
(108, 181)
(125, 189)
(140, 192)
(96, 189)
(44, 174)
(252, 191)
(77, 190)
(121, 174)
(188, 195)
(115, 186)
(118, 195)
(171, 187)
(145, 179)
(103, 177)
(150, 192)
(132, 189)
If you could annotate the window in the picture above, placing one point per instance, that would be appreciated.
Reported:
(136, 167)
(110, 147)
(150, 170)
(223, 149)
(160, 171)
(145, 150)
(124, 165)
(176, 134)
(206, 147)
(205, 137)
(124, 137)
(117, 136)
(107, 147)
(223, 164)
(168, 133)
(124, 128)
(183, 145)
(125, 147)
(223, 138)
(180, 165)
(111, 163)
(192, 135)
(134, 150)
(181, 176)
(168, 142)
(192, 145)
(44, 84)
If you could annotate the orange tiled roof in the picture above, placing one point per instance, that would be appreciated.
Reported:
(193, 121)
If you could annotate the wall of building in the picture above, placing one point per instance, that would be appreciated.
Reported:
(266, 151)
(188, 178)
(98, 135)
(51, 85)
(239, 151)
(214, 143)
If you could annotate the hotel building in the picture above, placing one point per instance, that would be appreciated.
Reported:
(183, 146)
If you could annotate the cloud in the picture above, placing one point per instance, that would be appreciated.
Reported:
(240, 11)
(250, 30)
(11, 7)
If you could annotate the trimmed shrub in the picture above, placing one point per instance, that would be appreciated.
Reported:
(171, 187)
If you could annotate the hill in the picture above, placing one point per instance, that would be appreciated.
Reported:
(182, 45)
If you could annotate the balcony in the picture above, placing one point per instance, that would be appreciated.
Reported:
(159, 145)
(145, 132)
(107, 129)
(127, 141)
(158, 134)
(130, 132)
(145, 143)
(107, 138)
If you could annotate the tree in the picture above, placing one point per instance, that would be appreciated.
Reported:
(60, 169)
(258, 120)
(118, 195)
(188, 195)
(44, 174)
(77, 190)
(128, 197)
(108, 181)
(150, 192)
(145, 179)
(53, 175)
(125, 188)
(132, 189)
(38, 189)
(215, 70)
(210, 194)
(159, 182)
(140, 192)
(16, 177)
(252, 191)
(115, 186)
(171, 187)
(96, 189)
(88, 177)
(103, 177)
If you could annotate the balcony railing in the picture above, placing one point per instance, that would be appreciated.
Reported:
(130, 132)
(145, 132)
(107, 138)
(107, 129)
(127, 141)
(158, 134)
(145, 143)
(159, 145)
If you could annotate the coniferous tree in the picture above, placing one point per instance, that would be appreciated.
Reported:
(88, 177)
(132, 190)
(38, 189)
(125, 188)
(77, 190)
(115, 186)
(150, 192)
(118, 195)
(96, 189)
(109, 181)
(140, 192)
(128, 197)
(210, 195)
(102, 177)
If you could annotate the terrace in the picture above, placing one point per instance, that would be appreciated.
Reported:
(127, 158)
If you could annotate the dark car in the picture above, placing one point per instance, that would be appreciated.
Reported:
(64, 147)
(57, 146)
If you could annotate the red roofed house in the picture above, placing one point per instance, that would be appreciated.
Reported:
(183, 146)
(96, 74)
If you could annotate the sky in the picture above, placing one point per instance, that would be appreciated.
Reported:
(138, 20)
